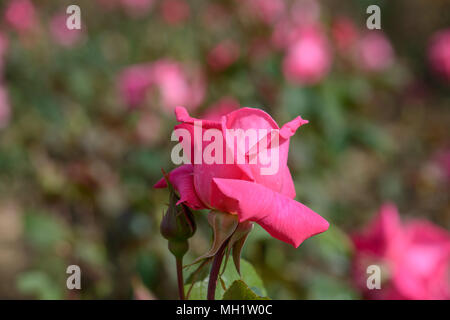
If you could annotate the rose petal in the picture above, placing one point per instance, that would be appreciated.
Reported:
(284, 218)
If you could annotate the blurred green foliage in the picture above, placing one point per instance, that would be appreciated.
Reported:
(78, 178)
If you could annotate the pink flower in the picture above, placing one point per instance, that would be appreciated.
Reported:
(175, 11)
(5, 108)
(282, 34)
(134, 83)
(221, 108)
(174, 85)
(223, 55)
(345, 34)
(375, 52)
(439, 53)
(308, 57)
(241, 188)
(21, 15)
(61, 34)
(414, 257)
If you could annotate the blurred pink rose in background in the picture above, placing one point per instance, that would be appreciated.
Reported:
(221, 108)
(21, 15)
(5, 108)
(344, 34)
(175, 11)
(308, 57)
(223, 55)
(134, 83)
(174, 85)
(61, 34)
(375, 51)
(439, 53)
(241, 188)
(414, 257)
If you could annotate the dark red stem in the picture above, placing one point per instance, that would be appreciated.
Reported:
(215, 269)
(180, 278)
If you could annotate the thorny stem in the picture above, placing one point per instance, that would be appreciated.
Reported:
(215, 268)
(180, 278)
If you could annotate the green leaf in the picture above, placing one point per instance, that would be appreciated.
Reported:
(240, 291)
(39, 285)
(230, 274)
(43, 230)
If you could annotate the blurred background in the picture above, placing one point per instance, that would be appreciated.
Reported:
(86, 117)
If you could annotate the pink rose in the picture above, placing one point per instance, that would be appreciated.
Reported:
(375, 52)
(308, 58)
(175, 11)
(241, 188)
(21, 15)
(414, 257)
(439, 53)
(176, 86)
(345, 34)
(61, 34)
(173, 83)
(134, 83)
(223, 55)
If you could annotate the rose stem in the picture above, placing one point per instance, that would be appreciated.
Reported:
(180, 278)
(215, 268)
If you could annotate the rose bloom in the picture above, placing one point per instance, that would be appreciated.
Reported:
(174, 85)
(223, 55)
(344, 33)
(414, 257)
(375, 52)
(134, 83)
(308, 58)
(439, 53)
(61, 34)
(241, 189)
(21, 15)
(175, 11)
